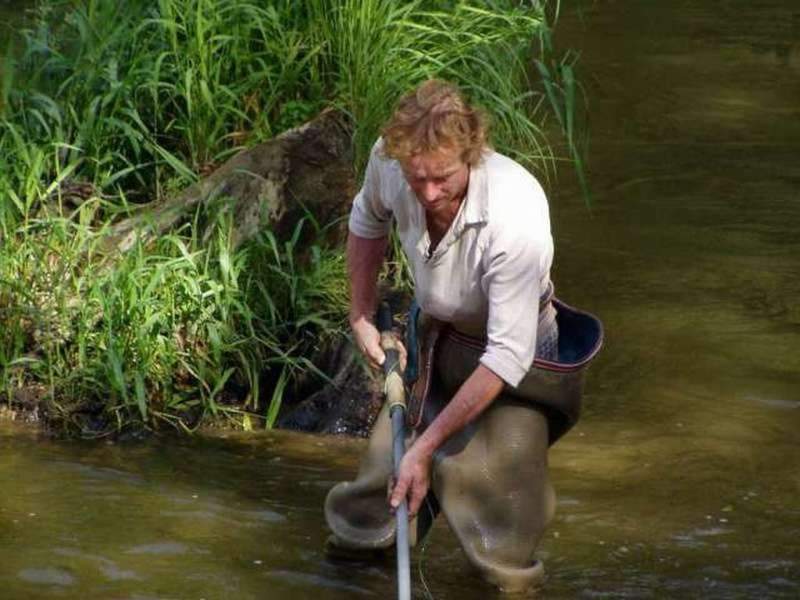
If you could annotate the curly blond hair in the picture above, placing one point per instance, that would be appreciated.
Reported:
(434, 116)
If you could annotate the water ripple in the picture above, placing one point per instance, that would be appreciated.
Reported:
(47, 576)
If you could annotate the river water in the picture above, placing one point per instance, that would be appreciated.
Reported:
(682, 480)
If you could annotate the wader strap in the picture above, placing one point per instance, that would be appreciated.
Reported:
(429, 331)
(422, 336)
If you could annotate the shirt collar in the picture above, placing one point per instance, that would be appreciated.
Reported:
(476, 210)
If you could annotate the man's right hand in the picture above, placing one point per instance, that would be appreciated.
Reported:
(368, 341)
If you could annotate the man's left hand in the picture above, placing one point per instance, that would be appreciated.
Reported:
(413, 480)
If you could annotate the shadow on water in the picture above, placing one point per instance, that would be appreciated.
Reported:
(682, 478)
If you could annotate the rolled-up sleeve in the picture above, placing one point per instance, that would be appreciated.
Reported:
(370, 217)
(511, 282)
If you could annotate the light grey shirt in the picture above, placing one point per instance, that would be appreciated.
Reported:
(487, 273)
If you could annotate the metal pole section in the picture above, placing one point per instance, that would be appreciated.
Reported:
(403, 563)
(395, 395)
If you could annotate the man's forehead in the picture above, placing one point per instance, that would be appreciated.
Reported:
(433, 163)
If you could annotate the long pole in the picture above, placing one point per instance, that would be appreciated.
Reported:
(395, 395)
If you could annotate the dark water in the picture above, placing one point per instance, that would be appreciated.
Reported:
(682, 479)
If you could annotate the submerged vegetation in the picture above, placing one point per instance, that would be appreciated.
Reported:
(107, 107)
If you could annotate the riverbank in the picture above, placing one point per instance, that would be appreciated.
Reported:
(110, 113)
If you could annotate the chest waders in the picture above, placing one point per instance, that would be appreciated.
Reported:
(490, 480)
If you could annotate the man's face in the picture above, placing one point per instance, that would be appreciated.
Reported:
(439, 178)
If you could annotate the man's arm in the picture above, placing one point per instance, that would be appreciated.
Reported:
(364, 260)
(471, 399)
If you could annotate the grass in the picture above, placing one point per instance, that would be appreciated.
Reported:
(164, 333)
(166, 330)
(106, 106)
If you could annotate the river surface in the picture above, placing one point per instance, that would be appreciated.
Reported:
(683, 478)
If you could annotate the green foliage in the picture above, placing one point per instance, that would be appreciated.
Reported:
(132, 101)
(373, 51)
(561, 90)
(162, 332)
(140, 93)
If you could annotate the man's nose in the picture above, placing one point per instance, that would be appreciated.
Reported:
(430, 191)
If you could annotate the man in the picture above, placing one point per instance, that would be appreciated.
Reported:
(475, 228)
